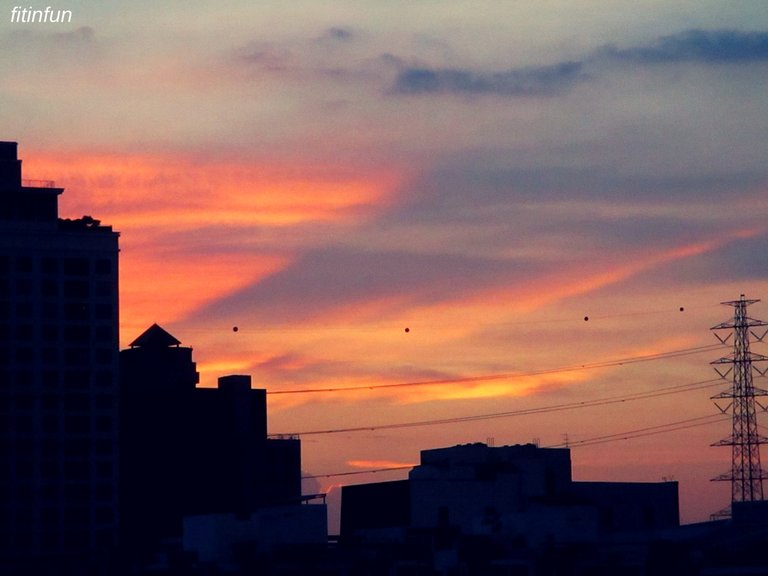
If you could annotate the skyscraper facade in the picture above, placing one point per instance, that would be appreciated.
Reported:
(58, 380)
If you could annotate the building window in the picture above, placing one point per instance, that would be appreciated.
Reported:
(50, 382)
(104, 470)
(103, 333)
(24, 468)
(104, 538)
(78, 472)
(50, 355)
(51, 401)
(24, 265)
(76, 289)
(103, 311)
(49, 265)
(76, 266)
(76, 403)
(50, 492)
(104, 356)
(49, 288)
(77, 333)
(50, 310)
(50, 539)
(103, 447)
(25, 310)
(24, 540)
(77, 424)
(24, 332)
(105, 515)
(76, 356)
(75, 516)
(25, 355)
(104, 379)
(24, 287)
(103, 267)
(104, 289)
(50, 332)
(75, 538)
(79, 447)
(443, 516)
(104, 424)
(76, 311)
(50, 425)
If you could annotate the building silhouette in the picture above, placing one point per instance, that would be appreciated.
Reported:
(190, 451)
(479, 509)
(58, 380)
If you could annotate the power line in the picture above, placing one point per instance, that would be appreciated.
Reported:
(356, 472)
(648, 431)
(511, 375)
(628, 435)
(522, 412)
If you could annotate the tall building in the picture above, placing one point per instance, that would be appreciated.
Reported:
(158, 379)
(58, 380)
(193, 451)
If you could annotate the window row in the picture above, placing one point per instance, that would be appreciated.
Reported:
(68, 311)
(69, 266)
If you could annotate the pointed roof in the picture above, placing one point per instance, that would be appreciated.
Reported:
(155, 337)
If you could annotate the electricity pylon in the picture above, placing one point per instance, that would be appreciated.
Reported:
(746, 475)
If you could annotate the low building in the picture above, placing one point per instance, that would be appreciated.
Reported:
(227, 541)
(476, 507)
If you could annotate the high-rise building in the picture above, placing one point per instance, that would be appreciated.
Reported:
(191, 451)
(58, 380)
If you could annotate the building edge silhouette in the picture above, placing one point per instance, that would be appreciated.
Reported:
(59, 373)
(213, 468)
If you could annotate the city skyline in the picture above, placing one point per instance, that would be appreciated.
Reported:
(303, 186)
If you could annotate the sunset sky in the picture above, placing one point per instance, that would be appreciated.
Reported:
(502, 207)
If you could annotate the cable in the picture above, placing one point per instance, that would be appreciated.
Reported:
(522, 412)
(629, 435)
(512, 375)
(648, 431)
(356, 472)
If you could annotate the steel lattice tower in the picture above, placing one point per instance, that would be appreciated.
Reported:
(746, 475)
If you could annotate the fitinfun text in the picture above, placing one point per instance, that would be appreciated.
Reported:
(19, 14)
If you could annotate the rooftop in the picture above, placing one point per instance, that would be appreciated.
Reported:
(155, 337)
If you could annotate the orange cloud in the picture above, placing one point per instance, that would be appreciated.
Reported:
(583, 279)
(182, 192)
(163, 288)
(159, 203)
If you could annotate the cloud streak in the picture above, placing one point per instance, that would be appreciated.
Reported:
(363, 283)
(535, 81)
(697, 46)
(702, 46)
